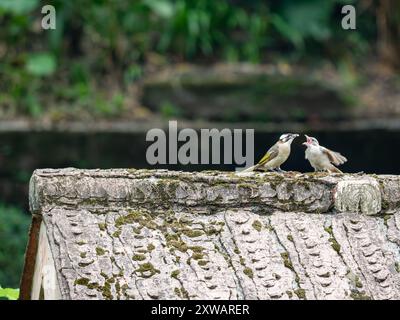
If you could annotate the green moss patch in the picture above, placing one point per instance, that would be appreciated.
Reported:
(138, 257)
(286, 261)
(257, 225)
(248, 272)
(147, 270)
(100, 251)
(300, 293)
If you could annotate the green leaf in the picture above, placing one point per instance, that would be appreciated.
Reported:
(41, 64)
(310, 18)
(162, 8)
(18, 6)
(10, 294)
(287, 31)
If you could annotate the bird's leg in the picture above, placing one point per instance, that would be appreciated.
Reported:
(280, 170)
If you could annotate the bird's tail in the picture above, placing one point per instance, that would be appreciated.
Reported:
(249, 169)
(333, 169)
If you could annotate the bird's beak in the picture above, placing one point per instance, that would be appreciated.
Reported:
(308, 142)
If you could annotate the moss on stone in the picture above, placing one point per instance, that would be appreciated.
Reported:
(236, 250)
(175, 274)
(286, 261)
(290, 294)
(147, 270)
(197, 256)
(80, 243)
(140, 217)
(358, 282)
(178, 245)
(290, 238)
(269, 227)
(116, 234)
(334, 244)
(300, 293)
(196, 249)
(82, 281)
(211, 231)
(102, 226)
(106, 291)
(181, 293)
(248, 272)
(138, 257)
(192, 233)
(397, 266)
(202, 262)
(93, 285)
(257, 225)
(85, 264)
(118, 289)
(150, 247)
(83, 255)
(100, 251)
(386, 218)
(357, 295)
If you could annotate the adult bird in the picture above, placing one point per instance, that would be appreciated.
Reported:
(276, 155)
(321, 158)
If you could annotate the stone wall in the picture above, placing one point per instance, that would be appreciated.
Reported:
(158, 234)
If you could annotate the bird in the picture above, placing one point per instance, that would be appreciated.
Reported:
(276, 155)
(321, 158)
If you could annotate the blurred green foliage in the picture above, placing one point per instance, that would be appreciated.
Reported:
(9, 293)
(105, 44)
(14, 226)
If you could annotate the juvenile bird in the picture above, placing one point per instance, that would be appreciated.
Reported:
(321, 158)
(276, 155)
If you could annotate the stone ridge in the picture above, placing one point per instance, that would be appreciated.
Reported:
(209, 191)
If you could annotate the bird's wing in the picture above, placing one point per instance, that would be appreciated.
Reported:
(335, 157)
(271, 154)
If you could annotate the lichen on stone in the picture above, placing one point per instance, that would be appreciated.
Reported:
(100, 251)
(175, 274)
(257, 225)
(248, 272)
(286, 261)
(147, 270)
(138, 257)
(357, 295)
(300, 293)
(334, 244)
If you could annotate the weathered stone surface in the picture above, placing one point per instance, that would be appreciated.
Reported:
(358, 195)
(139, 234)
